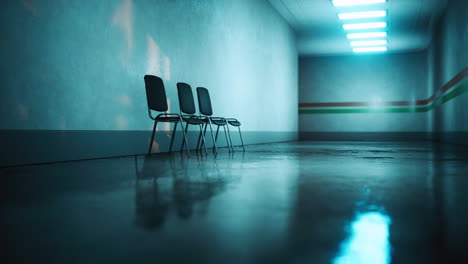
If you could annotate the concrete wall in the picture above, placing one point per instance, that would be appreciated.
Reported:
(371, 79)
(448, 56)
(72, 72)
(416, 95)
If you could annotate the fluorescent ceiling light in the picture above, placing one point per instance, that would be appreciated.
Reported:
(368, 14)
(364, 25)
(370, 49)
(367, 35)
(368, 43)
(356, 2)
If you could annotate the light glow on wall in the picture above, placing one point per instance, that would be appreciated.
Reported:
(22, 111)
(153, 53)
(364, 25)
(155, 148)
(31, 5)
(376, 102)
(370, 49)
(367, 35)
(125, 100)
(367, 14)
(167, 68)
(157, 63)
(356, 2)
(368, 43)
(123, 18)
(121, 122)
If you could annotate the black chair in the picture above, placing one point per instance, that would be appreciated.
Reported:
(204, 105)
(187, 111)
(157, 101)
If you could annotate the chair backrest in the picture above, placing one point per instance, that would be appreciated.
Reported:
(204, 101)
(186, 102)
(155, 93)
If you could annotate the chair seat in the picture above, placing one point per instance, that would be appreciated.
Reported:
(234, 122)
(218, 122)
(168, 119)
(194, 120)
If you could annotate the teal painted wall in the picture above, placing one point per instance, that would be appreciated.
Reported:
(369, 78)
(79, 65)
(448, 55)
(392, 77)
(75, 68)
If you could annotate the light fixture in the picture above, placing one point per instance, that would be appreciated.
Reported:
(367, 14)
(356, 2)
(367, 35)
(365, 25)
(370, 49)
(368, 43)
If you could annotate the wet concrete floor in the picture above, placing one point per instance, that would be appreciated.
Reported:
(297, 202)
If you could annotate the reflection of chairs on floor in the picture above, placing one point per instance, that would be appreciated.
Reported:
(173, 184)
(151, 205)
(157, 101)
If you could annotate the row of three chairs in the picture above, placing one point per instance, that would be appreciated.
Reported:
(157, 101)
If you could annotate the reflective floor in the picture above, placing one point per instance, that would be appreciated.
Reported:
(300, 202)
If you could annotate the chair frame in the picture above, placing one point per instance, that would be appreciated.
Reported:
(166, 118)
(215, 138)
(187, 116)
(212, 120)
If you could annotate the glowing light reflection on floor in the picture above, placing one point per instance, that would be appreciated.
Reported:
(368, 242)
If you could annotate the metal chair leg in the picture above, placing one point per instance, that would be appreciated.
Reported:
(204, 129)
(240, 135)
(230, 139)
(185, 138)
(203, 140)
(215, 148)
(152, 137)
(173, 135)
(227, 140)
(198, 141)
(183, 141)
(199, 136)
(216, 137)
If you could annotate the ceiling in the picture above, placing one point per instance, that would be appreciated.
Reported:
(320, 32)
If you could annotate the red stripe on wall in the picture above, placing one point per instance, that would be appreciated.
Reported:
(459, 77)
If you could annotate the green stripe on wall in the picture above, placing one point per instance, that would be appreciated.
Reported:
(447, 97)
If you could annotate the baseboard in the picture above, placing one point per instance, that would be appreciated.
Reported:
(21, 147)
(458, 138)
(365, 136)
